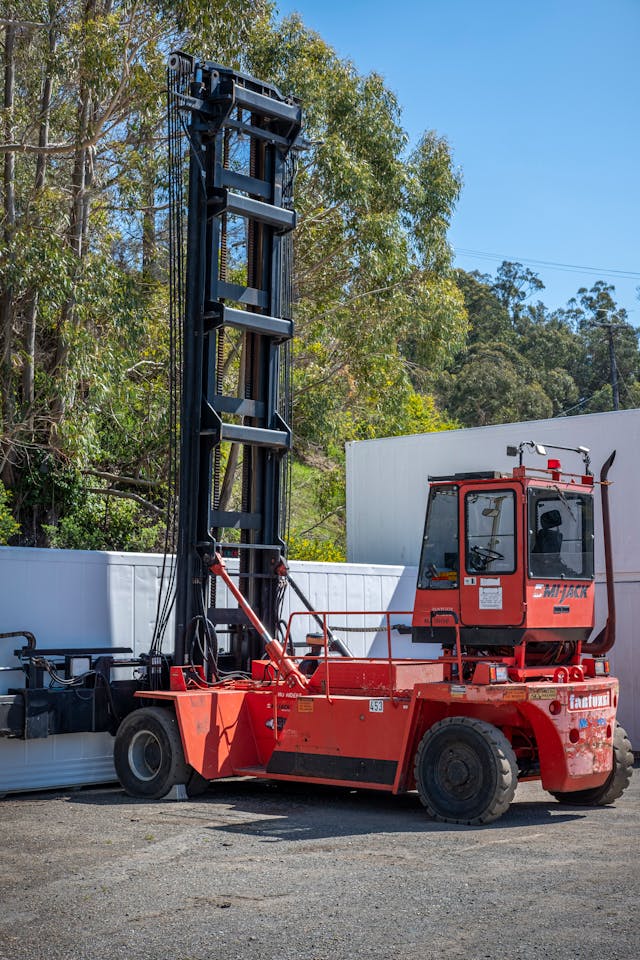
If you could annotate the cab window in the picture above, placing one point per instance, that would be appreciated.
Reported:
(560, 535)
(439, 560)
(490, 543)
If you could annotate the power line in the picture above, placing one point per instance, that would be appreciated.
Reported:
(551, 264)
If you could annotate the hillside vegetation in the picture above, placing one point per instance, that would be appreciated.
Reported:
(390, 339)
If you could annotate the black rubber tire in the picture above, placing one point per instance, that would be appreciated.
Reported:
(466, 771)
(615, 785)
(148, 754)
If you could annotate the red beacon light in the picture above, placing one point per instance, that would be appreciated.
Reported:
(554, 464)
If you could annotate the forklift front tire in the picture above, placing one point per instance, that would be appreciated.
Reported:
(617, 782)
(148, 754)
(466, 771)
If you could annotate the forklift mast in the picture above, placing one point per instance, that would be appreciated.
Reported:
(235, 339)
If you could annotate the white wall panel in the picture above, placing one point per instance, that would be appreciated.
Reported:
(387, 480)
(387, 485)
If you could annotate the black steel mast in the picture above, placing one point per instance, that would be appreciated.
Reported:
(242, 134)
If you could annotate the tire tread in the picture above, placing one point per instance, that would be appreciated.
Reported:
(507, 770)
(617, 783)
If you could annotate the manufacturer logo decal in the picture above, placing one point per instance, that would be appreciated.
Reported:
(561, 591)
(589, 702)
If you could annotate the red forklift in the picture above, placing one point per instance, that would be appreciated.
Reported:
(520, 690)
(505, 585)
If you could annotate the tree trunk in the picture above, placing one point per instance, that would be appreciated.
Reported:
(234, 451)
(149, 232)
(78, 227)
(31, 310)
(9, 209)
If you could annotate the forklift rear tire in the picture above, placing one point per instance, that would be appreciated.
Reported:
(148, 754)
(466, 771)
(618, 780)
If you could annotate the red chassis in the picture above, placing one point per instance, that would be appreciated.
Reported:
(366, 733)
(394, 725)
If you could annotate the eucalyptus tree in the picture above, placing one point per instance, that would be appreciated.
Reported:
(83, 246)
(376, 302)
(82, 252)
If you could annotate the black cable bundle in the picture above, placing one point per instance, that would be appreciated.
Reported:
(177, 83)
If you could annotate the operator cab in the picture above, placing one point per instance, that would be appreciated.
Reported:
(507, 558)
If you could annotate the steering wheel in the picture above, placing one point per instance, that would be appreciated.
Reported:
(481, 557)
(487, 554)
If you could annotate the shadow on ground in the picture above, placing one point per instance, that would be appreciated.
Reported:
(286, 811)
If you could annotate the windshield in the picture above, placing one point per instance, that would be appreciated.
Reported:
(439, 560)
(560, 535)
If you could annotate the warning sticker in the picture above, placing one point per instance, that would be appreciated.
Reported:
(515, 693)
(542, 693)
(305, 705)
(490, 598)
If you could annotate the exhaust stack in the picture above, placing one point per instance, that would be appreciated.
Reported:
(607, 636)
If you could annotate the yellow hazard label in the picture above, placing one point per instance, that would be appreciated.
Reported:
(305, 705)
(516, 694)
(542, 693)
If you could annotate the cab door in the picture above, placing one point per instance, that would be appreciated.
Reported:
(491, 576)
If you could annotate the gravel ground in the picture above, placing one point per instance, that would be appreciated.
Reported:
(260, 870)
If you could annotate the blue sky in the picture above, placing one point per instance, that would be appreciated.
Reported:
(540, 102)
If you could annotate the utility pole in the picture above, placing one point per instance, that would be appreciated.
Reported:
(613, 368)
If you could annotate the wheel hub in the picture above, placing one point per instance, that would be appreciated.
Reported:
(145, 755)
(459, 772)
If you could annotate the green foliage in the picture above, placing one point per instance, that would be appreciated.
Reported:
(8, 525)
(389, 339)
(84, 262)
(523, 363)
(495, 385)
(303, 548)
(489, 319)
(317, 508)
(376, 306)
(104, 523)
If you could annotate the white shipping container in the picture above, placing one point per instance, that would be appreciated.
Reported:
(73, 598)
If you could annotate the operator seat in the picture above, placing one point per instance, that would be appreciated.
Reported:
(548, 544)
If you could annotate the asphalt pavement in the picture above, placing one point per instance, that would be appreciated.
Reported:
(259, 871)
